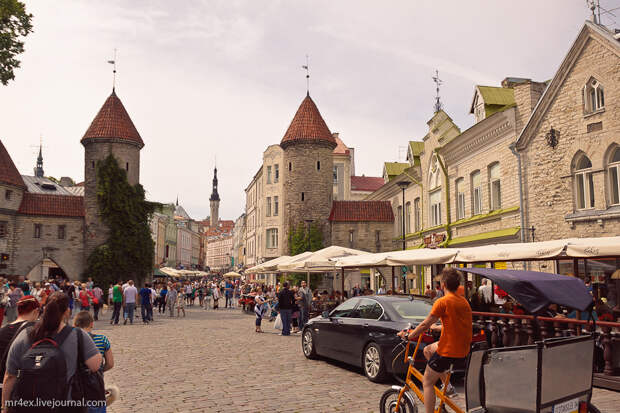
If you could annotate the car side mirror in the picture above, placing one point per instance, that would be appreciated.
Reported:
(325, 314)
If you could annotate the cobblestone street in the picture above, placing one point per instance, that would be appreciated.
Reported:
(212, 361)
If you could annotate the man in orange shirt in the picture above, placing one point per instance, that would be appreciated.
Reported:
(454, 344)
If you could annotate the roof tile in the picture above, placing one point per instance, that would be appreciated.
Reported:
(113, 121)
(52, 205)
(8, 171)
(366, 183)
(361, 211)
(308, 125)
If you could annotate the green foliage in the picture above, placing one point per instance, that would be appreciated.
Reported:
(128, 253)
(15, 24)
(304, 238)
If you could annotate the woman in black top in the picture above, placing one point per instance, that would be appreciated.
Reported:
(27, 312)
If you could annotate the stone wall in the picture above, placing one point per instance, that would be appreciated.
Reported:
(316, 185)
(548, 180)
(364, 235)
(8, 214)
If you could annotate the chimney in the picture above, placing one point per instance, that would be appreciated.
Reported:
(527, 95)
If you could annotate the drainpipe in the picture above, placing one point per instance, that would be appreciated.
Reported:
(513, 149)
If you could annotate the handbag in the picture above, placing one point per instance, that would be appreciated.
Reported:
(278, 323)
(86, 385)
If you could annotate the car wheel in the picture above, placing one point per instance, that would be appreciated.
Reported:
(372, 362)
(307, 344)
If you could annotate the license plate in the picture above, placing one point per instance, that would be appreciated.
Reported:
(570, 406)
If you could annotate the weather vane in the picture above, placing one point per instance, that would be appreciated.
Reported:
(438, 82)
(113, 63)
(307, 67)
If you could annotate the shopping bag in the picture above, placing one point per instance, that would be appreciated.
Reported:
(278, 324)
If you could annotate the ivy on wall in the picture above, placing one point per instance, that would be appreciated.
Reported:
(128, 252)
(304, 238)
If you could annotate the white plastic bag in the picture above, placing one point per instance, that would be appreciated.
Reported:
(278, 323)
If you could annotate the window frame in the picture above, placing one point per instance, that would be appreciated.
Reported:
(459, 184)
(8, 194)
(614, 165)
(276, 206)
(435, 209)
(271, 238)
(408, 217)
(269, 174)
(584, 177)
(593, 96)
(62, 231)
(357, 309)
(4, 229)
(38, 231)
(476, 193)
(276, 173)
(268, 206)
(494, 192)
(417, 209)
(399, 219)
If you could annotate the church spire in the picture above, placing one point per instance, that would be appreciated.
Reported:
(38, 170)
(214, 202)
(214, 195)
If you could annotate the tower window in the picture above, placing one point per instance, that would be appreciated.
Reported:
(92, 164)
(127, 166)
(290, 166)
(303, 196)
(7, 194)
(37, 230)
(61, 231)
(318, 165)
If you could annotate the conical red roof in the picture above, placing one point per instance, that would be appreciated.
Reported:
(8, 171)
(308, 126)
(113, 122)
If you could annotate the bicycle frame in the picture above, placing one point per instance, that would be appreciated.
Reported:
(410, 384)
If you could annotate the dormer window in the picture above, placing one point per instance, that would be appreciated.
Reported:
(593, 96)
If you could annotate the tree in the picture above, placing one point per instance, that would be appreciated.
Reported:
(15, 24)
(301, 239)
(128, 252)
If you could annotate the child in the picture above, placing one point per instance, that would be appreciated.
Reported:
(180, 304)
(85, 321)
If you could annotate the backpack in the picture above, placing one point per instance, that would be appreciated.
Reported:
(42, 373)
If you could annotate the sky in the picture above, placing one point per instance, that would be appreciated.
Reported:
(207, 80)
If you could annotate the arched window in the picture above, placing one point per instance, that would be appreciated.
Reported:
(584, 184)
(593, 96)
(460, 198)
(435, 207)
(614, 173)
(434, 173)
(417, 214)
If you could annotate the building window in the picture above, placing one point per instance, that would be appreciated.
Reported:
(7, 194)
(290, 166)
(37, 230)
(167, 254)
(476, 193)
(276, 173)
(269, 174)
(460, 198)
(318, 165)
(417, 214)
(61, 231)
(275, 206)
(127, 166)
(268, 209)
(614, 172)
(351, 238)
(4, 229)
(495, 186)
(435, 211)
(378, 239)
(303, 197)
(399, 220)
(272, 238)
(92, 164)
(593, 96)
(584, 184)
(408, 217)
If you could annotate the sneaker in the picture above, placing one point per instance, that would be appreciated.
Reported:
(125, 322)
(451, 391)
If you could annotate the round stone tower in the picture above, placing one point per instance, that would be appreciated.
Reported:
(111, 132)
(308, 172)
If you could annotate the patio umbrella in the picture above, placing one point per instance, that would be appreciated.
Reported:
(232, 274)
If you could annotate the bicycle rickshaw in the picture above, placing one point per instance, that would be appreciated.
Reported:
(550, 376)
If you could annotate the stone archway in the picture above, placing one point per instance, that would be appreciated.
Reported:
(52, 261)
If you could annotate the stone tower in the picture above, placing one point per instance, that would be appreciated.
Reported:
(308, 171)
(111, 132)
(38, 170)
(214, 200)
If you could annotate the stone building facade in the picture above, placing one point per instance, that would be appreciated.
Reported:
(42, 222)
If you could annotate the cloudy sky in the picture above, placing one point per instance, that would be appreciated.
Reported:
(207, 79)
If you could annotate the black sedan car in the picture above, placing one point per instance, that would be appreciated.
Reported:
(362, 332)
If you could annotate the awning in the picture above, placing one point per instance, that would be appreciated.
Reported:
(320, 261)
(510, 252)
(170, 271)
(232, 274)
(268, 266)
(157, 273)
(500, 233)
(535, 291)
(422, 256)
(593, 247)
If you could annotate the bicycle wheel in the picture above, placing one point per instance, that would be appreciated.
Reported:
(388, 403)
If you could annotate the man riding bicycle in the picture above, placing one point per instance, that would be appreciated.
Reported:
(456, 333)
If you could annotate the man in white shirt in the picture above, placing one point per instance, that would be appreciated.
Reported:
(129, 299)
(486, 294)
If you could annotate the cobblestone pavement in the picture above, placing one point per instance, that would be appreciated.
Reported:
(213, 361)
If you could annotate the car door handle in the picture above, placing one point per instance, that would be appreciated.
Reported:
(365, 325)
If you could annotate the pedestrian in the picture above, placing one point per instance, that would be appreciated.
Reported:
(216, 296)
(171, 299)
(286, 300)
(228, 294)
(116, 300)
(129, 298)
(146, 303)
(69, 289)
(45, 380)
(84, 299)
(438, 290)
(15, 294)
(180, 304)
(208, 295)
(97, 301)
(162, 299)
(259, 303)
(305, 303)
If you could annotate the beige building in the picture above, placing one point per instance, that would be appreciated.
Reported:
(158, 232)
(219, 252)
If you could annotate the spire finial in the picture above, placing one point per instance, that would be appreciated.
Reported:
(307, 67)
(38, 170)
(177, 200)
(438, 82)
(113, 63)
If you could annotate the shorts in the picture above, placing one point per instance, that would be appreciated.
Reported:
(440, 363)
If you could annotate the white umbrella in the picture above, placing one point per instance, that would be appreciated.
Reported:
(320, 261)
(232, 274)
(268, 266)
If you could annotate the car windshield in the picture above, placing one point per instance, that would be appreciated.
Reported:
(412, 309)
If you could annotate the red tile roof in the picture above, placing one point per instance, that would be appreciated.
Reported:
(341, 148)
(308, 126)
(366, 183)
(361, 211)
(52, 205)
(8, 171)
(113, 121)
